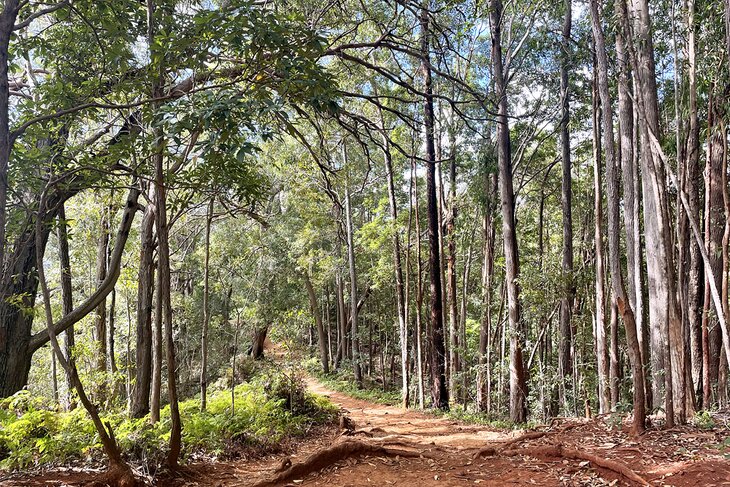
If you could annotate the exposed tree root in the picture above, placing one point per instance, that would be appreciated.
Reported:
(341, 450)
(493, 450)
(119, 476)
(560, 451)
(369, 431)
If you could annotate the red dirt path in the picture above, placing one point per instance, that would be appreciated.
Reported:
(679, 457)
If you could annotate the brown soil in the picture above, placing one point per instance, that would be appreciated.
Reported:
(384, 445)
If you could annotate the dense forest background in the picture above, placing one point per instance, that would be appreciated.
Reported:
(519, 210)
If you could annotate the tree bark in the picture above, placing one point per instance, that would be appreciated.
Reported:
(100, 319)
(565, 360)
(397, 265)
(664, 316)
(322, 338)
(518, 379)
(163, 304)
(419, 290)
(439, 388)
(714, 227)
(484, 371)
(145, 292)
(257, 344)
(67, 302)
(7, 23)
(206, 311)
(602, 369)
(353, 287)
(620, 299)
(451, 214)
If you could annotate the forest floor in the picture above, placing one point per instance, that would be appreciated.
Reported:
(380, 445)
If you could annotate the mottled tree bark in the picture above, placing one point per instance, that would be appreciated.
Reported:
(620, 299)
(518, 379)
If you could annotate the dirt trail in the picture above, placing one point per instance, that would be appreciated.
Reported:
(441, 452)
(415, 427)
(384, 445)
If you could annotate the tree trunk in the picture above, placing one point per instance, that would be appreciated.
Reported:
(518, 379)
(257, 344)
(451, 211)
(322, 338)
(341, 347)
(668, 347)
(484, 375)
(119, 470)
(399, 293)
(400, 297)
(206, 311)
(565, 360)
(67, 299)
(714, 226)
(419, 290)
(163, 304)
(692, 182)
(600, 285)
(620, 299)
(439, 389)
(145, 292)
(100, 322)
(353, 287)
(7, 23)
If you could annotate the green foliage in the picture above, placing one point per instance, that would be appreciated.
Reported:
(703, 420)
(32, 433)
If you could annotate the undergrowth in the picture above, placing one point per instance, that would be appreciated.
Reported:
(267, 410)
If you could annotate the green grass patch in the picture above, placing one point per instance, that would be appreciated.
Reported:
(267, 410)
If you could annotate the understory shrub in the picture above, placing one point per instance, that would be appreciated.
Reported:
(263, 413)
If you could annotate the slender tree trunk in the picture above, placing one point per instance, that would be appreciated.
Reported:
(353, 287)
(314, 306)
(484, 369)
(630, 183)
(600, 285)
(67, 299)
(145, 291)
(206, 311)
(620, 299)
(667, 339)
(693, 182)
(614, 367)
(517, 331)
(714, 221)
(439, 388)
(341, 320)
(397, 265)
(450, 237)
(100, 321)
(119, 471)
(163, 304)
(117, 387)
(568, 296)
(419, 291)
